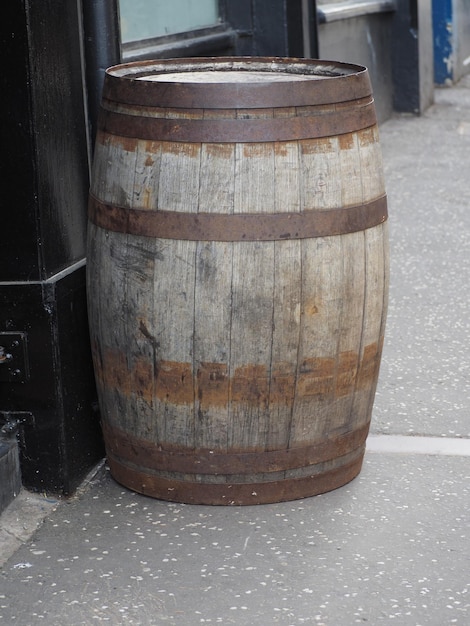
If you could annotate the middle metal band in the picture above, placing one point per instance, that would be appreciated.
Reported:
(237, 227)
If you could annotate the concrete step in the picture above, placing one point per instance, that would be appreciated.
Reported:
(10, 473)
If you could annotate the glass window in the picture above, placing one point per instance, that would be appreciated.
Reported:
(146, 19)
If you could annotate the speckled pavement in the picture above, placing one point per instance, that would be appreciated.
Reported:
(390, 547)
(425, 375)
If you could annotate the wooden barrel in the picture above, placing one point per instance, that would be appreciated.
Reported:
(237, 276)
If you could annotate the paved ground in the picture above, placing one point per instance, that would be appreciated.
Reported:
(390, 547)
(425, 375)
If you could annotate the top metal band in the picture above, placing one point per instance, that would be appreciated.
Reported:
(323, 82)
(238, 130)
(237, 227)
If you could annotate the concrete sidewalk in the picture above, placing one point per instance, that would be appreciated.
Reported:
(390, 547)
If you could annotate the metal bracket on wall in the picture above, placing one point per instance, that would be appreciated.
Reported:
(331, 12)
(14, 367)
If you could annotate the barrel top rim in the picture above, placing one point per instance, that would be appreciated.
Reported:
(313, 82)
(312, 68)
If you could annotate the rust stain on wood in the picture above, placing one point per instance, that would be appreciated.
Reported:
(322, 145)
(151, 147)
(220, 150)
(367, 136)
(310, 307)
(143, 379)
(316, 377)
(213, 384)
(116, 369)
(346, 373)
(251, 150)
(252, 385)
(175, 382)
(281, 148)
(282, 389)
(370, 364)
(129, 144)
(180, 148)
(346, 141)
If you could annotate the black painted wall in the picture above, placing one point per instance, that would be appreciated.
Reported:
(44, 168)
(18, 236)
(271, 28)
(412, 56)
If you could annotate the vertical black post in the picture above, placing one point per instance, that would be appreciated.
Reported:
(312, 18)
(274, 28)
(306, 13)
(298, 46)
(102, 49)
(412, 54)
(270, 37)
(239, 15)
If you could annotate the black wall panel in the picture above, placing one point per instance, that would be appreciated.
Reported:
(44, 165)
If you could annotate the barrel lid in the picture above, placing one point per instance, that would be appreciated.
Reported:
(235, 82)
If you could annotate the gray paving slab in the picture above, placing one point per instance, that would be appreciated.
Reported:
(392, 546)
(20, 521)
(424, 385)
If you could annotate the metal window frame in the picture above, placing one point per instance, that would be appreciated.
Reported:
(210, 41)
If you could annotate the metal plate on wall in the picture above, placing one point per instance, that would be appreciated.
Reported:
(13, 357)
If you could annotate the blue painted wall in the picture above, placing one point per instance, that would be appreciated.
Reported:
(451, 25)
(444, 37)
